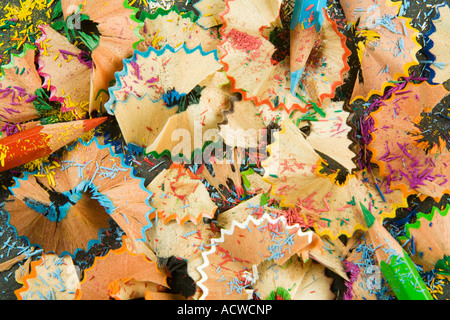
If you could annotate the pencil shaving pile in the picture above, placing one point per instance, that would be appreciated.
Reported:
(225, 149)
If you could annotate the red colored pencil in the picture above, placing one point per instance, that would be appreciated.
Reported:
(41, 141)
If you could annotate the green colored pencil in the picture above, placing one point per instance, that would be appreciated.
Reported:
(396, 265)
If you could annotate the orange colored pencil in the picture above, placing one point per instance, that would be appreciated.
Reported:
(41, 141)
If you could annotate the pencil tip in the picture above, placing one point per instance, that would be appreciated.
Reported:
(92, 123)
(368, 216)
(295, 79)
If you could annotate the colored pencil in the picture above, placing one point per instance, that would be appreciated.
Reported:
(41, 141)
(395, 264)
(305, 26)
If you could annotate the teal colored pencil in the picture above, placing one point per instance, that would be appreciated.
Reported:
(305, 25)
(396, 265)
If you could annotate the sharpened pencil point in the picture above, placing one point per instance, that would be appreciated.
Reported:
(295, 79)
(92, 123)
(368, 216)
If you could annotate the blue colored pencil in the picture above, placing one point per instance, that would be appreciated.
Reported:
(305, 25)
